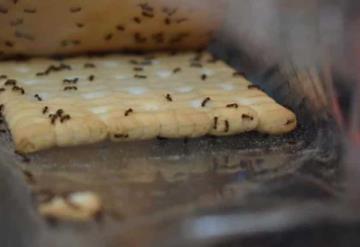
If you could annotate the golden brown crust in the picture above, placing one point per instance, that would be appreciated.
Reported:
(275, 119)
(231, 120)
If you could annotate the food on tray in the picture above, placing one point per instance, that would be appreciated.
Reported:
(81, 100)
(77, 206)
(71, 26)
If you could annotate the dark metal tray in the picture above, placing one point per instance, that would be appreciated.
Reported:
(160, 192)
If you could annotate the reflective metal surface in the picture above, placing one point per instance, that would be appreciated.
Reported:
(163, 192)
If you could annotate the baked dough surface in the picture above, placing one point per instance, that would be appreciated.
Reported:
(83, 100)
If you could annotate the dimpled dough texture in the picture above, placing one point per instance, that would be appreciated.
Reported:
(82, 100)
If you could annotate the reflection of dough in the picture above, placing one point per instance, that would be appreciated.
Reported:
(70, 26)
(147, 170)
(144, 104)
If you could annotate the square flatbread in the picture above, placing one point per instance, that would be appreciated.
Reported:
(82, 100)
